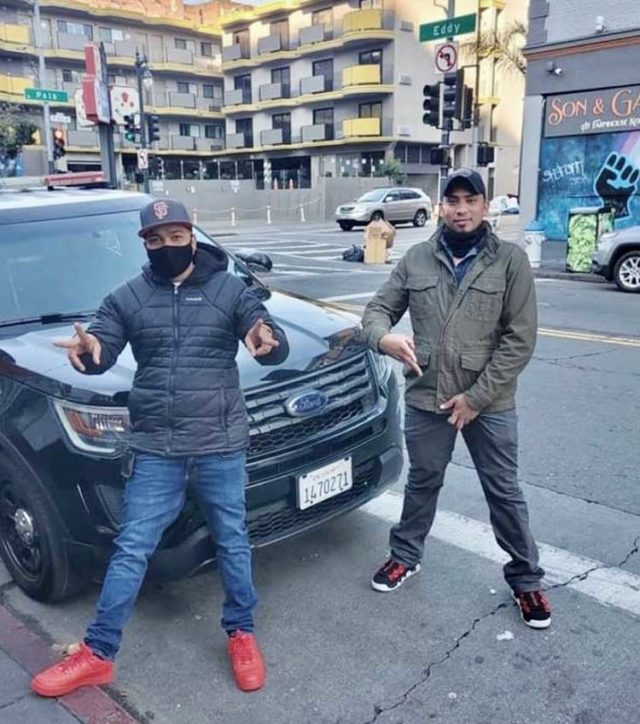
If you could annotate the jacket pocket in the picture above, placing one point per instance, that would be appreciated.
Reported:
(422, 294)
(483, 300)
(475, 360)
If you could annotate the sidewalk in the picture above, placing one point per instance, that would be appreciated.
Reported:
(22, 654)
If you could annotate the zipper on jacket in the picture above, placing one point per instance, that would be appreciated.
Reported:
(172, 369)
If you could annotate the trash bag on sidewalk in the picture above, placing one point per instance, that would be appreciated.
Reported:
(353, 253)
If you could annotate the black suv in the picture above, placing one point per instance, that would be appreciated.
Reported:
(325, 434)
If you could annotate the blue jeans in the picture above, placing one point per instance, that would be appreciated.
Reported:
(153, 499)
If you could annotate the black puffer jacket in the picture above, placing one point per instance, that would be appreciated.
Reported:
(186, 397)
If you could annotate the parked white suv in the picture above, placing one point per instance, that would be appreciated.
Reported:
(395, 204)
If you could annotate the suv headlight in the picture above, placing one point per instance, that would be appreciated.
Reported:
(382, 366)
(102, 430)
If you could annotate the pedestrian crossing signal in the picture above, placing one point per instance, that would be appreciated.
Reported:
(59, 143)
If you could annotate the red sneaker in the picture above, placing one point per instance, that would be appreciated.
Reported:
(80, 668)
(246, 661)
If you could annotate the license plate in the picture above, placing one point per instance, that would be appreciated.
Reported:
(324, 483)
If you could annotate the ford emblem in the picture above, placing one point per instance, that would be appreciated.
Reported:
(310, 402)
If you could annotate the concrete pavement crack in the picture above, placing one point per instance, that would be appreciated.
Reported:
(379, 709)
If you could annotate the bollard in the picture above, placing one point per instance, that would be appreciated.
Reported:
(233, 216)
(268, 214)
(302, 219)
(194, 215)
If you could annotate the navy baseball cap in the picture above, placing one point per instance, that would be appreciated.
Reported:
(161, 212)
(465, 177)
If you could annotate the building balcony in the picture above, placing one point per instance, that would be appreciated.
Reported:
(237, 51)
(353, 127)
(273, 91)
(124, 49)
(315, 84)
(239, 140)
(70, 41)
(360, 20)
(236, 97)
(18, 34)
(183, 143)
(209, 144)
(275, 136)
(361, 75)
(271, 44)
(178, 55)
(315, 34)
(211, 105)
(182, 100)
(82, 139)
(15, 85)
(318, 132)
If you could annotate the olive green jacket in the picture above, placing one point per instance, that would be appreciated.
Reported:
(474, 338)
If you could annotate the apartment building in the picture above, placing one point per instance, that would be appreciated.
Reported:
(183, 45)
(581, 145)
(315, 88)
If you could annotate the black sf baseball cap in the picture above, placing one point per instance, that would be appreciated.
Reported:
(464, 177)
(161, 212)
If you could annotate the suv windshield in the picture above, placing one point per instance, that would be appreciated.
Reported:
(375, 195)
(62, 266)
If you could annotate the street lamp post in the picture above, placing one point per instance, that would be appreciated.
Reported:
(145, 82)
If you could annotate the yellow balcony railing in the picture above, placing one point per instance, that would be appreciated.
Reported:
(14, 85)
(359, 20)
(14, 33)
(361, 127)
(361, 75)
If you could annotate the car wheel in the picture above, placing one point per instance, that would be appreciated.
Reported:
(626, 272)
(377, 216)
(420, 219)
(32, 539)
(346, 225)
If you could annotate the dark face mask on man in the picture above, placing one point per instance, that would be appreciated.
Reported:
(169, 262)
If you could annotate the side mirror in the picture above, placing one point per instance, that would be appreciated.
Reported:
(257, 261)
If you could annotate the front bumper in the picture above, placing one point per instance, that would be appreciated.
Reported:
(354, 218)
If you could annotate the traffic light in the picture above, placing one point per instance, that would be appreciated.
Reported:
(130, 128)
(59, 143)
(153, 126)
(439, 156)
(452, 97)
(431, 104)
(467, 108)
(486, 154)
(160, 167)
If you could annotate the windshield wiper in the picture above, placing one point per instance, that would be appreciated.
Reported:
(53, 318)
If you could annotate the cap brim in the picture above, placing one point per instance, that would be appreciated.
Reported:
(144, 231)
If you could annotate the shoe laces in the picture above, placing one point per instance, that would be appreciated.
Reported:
(534, 600)
(242, 648)
(76, 659)
(393, 569)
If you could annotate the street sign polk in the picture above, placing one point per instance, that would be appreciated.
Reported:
(445, 57)
(46, 95)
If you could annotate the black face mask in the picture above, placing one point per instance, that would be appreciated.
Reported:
(169, 262)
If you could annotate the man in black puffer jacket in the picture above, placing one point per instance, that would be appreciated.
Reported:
(183, 317)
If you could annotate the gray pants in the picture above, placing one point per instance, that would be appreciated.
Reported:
(492, 440)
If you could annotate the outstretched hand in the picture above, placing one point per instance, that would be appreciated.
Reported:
(259, 340)
(81, 343)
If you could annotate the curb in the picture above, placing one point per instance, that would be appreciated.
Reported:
(89, 704)
(542, 273)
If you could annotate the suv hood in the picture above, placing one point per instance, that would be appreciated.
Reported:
(317, 336)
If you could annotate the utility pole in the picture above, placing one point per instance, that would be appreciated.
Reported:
(42, 82)
(145, 80)
(447, 123)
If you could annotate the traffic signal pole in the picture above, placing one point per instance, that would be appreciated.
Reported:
(37, 39)
(447, 123)
(143, 122)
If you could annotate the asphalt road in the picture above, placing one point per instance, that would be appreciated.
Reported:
(449, 646)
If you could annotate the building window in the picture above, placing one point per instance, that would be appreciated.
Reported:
(371, 110)
(280, 29)
(371, 57)
(245, 126)
(241, 38)
(110, 35)
(183, 86)
(180, 43)
(206, 49)
(185, 129)
(368, 4)
(283, 121)
(413, 153)
(213, 130)
(243, 83)
(323, 17)
(282, 76)
(325, 68)
(75, 29)
(207, 90)
(324, 117)
(67, 76)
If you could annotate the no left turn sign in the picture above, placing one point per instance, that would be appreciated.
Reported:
(446, 57)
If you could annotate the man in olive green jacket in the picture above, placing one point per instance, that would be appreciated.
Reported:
(472, 304)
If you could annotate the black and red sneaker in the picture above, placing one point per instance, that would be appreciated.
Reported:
(392, 575)
(535, 608)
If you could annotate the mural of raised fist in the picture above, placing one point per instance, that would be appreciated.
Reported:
(616, 183)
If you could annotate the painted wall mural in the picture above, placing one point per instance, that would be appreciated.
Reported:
(589, 171)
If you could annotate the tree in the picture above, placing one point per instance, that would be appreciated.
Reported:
(392, 169)
(505, 44)
(15, 133)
